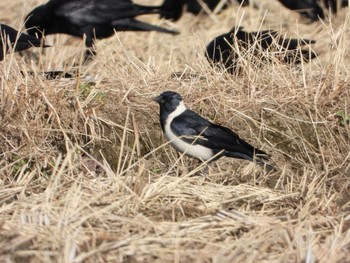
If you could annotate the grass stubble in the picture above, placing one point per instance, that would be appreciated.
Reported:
(86, 176)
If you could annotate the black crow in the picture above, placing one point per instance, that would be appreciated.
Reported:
(191, 134)
(307, 8)
(94, 18)
(172, 9)
(17, 41)
(335, 5)
(221, 51)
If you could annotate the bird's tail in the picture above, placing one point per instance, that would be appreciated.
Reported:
(292, 43)
(293, 54)
(131, 24)
(163, 10)
(259, 157)
(263, 163)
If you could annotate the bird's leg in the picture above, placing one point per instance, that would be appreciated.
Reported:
(90, 51)
(89, 54)
(194, 165)
(208, 166)
(203, 171)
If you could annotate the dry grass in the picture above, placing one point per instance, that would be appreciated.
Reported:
(85, 175)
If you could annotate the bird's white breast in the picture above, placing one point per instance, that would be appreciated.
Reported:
(196, 151)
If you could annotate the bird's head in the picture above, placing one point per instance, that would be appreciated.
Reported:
(169, 101)
(36, 22)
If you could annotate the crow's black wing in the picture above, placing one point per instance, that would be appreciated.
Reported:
(192, 128)
(131, 24)
(86, 12)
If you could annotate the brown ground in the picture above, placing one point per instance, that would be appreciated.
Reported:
(85, 174)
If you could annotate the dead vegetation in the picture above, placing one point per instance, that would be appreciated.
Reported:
(85, 175)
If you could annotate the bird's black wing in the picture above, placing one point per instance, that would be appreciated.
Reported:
(86, 12)
(194, 129)
(131, 24)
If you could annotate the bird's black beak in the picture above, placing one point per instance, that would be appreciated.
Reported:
(158, 98)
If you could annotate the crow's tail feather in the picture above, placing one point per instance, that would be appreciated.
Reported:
(131, 24)
(159, 9)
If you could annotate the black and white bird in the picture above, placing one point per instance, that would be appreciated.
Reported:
(94, 18)
(191, 134)
(10, 38)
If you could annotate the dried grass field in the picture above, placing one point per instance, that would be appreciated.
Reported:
(87, 176)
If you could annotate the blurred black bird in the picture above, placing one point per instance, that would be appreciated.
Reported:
(335, 5)
(191, 134)
(94, 18)
(222, 50)
(307, 8)
(172, 9)
(12, 39)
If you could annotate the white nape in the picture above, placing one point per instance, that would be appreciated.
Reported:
(195, 151)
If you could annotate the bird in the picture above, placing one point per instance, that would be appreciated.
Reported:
(221, 52)
(173, 9)
(196, 137)
(92, 18)
(10, 38)
(335, 5)
(307, 8)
